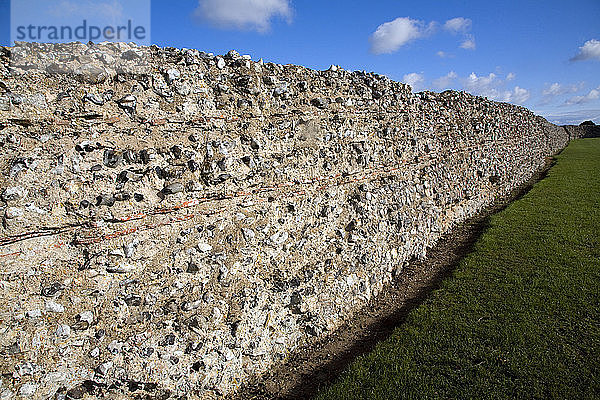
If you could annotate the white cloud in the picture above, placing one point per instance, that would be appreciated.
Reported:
(415, 80)
(468, 43)
(446, 81)
(556, 89)
(593, 94)
(482, 85)
(458, 25)
(589, 50)
(390, 36)
(243, 14)
(553, 90)
(443, 54)
(492, 87)
(517, 95)
(572, 117)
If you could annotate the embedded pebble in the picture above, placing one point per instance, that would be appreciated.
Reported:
(172, 75)
(14, 193)
(13, 212)
(63, 331)
(53, 306)
(173, 188)
(37, 313)
(86, 316)
(28, 389)
(204, 247)
(121, 268)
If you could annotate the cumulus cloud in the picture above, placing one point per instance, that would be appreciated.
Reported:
(556, 89)
(468, 43)
(593, 94)
(589, 51)
(493, 87)
(458, 25)
(415, 80)
(481, 85)
(444, 82)
(390, 36)
(553, 90)
(461, 25)
(243, 14)
(518, 95)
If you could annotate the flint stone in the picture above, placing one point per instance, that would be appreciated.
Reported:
(52, 290)
(14, 193)
(248, 234)
(4, 103)
(232, 55)
(63, 331)
(15, 99)
(121, 268)
(77, 392)
(319, 102)
(58, 69)
(111, 158)
(34, 313)
(13, 212)
(172, 75)
(173, 188)
(105, 200)
(131, 55)
(86, 316)
(191, 305)
(204, 247)
(28, 389)
(92, 98)
(36, 100)
(89, 73)
(128, 103)
(103, 369)
(53, 306)
(279, 238)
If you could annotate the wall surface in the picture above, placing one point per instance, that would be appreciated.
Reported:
(175, 222)
(582, 131)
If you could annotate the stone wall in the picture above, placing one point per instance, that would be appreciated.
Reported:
(175, 222)
(582, 131)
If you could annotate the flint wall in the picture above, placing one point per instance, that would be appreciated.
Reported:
(175, 222)
(582, 131)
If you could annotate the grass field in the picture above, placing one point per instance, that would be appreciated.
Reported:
(520, 316)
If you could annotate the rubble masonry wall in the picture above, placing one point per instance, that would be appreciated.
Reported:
(175, 222)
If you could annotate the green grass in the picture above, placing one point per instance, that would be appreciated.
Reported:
(520, 316)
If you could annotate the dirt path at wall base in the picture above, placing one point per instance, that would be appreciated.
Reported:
(320, 363)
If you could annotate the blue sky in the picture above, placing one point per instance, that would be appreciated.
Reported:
(544, 55)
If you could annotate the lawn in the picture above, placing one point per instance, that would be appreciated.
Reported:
(519, 317)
